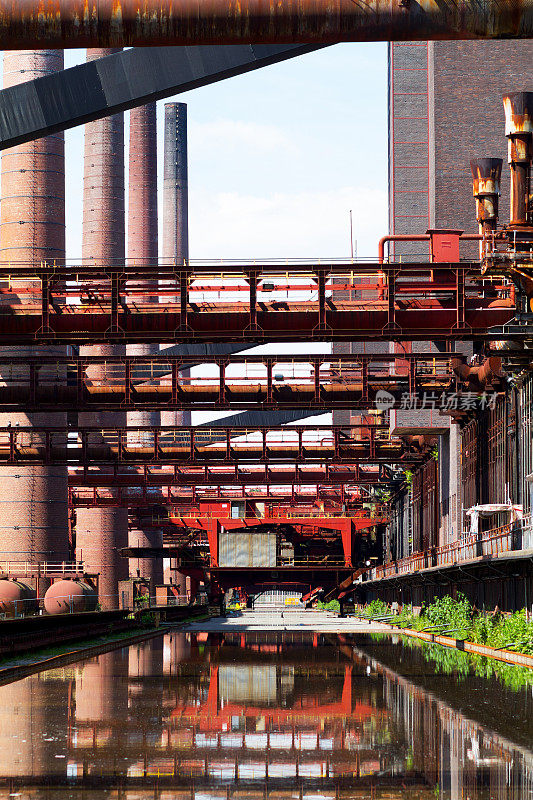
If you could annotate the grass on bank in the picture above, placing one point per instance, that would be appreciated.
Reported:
(458, 619)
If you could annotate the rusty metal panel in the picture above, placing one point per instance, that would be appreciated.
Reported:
(417, 513)
(497, 441)
(425, 506)
(244, 549)
(526, 442)
(430, 513)
(469, 461)
(70, 23)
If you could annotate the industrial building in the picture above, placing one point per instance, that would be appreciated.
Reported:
(419, 486)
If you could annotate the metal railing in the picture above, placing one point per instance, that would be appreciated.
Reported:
(74, 603)
(25, 569)
(512, 537)
(312, 561)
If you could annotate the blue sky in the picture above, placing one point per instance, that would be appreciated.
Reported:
(278, 157)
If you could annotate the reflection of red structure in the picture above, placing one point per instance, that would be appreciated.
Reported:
(215, 716)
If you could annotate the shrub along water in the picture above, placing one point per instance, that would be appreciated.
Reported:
(456, 617)
(333, 605)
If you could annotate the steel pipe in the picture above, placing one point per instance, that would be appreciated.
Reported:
(111, 23)
(519, 131)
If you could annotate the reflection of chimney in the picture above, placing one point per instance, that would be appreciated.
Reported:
(486, 174)
(519, 131)
(101, 690)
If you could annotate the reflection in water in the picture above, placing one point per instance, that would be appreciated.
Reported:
(276, 716)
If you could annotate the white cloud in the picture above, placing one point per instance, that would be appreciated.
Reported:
(286, 224)
(226, 135)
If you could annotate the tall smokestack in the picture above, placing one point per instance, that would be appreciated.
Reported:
(175, 209)
(176, 185)
(143, 249)
(519, 131)
(101, 532)
(486, 175)
(176, 235)
(33, 500)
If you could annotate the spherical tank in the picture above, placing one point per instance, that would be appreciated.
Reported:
(64, 597)
(17, 598)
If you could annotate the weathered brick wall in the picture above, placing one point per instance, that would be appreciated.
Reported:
(469, 80)
(445, 107)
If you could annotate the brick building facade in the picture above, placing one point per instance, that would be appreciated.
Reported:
(445, 107)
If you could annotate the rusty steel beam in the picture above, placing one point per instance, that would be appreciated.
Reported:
(146, 479)
(92, 303)
(192, 496)
(152, 445)
(139, 382)
(71, 23)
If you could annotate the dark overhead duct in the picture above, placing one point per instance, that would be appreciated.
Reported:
(71, 23)
(122, 81)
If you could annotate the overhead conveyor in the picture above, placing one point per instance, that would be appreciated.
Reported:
(351, 444)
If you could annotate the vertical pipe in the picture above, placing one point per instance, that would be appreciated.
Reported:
(486, 175)
(175, 247)
(34, 499)
(101, 532)
(143, 250)
(519, 131)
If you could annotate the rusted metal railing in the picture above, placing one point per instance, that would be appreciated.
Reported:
(512, 537)
(25, 569)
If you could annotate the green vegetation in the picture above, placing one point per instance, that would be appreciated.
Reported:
(376, 608)
(333, 605)
(458, 619)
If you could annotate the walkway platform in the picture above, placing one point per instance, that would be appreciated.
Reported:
(322, 621)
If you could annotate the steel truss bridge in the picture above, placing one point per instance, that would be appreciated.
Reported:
(119, 478)
(321, 382)
(184, 497)
(368, 443)
(128, 303)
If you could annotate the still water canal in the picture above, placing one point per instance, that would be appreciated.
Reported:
(269, 716)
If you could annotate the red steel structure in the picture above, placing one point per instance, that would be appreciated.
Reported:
(90, 303)
(328, 528)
